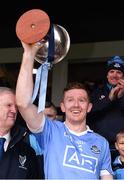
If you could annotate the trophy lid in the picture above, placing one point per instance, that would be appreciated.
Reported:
(32, 26)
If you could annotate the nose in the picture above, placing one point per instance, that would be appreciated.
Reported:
(115, 73)
(13, 108)
(76, 103)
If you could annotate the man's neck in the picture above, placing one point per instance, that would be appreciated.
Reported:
(76, 127)
(3, 131)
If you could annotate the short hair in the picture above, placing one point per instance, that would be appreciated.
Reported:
(76, 85)
(121, 133)
(3, 89)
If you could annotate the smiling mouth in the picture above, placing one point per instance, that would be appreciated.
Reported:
(76, 112)
(12, 117)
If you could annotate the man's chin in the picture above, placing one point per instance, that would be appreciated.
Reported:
(12, 121)
(114, 83)
(77, 120)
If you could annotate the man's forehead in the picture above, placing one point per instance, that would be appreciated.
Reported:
(76, 91)
(6, 93)
(7, 96)
(116, 70)
(49, 109)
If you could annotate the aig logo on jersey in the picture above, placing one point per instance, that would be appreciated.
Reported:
(75, 160)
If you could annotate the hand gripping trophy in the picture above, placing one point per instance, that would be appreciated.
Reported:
(34, 27)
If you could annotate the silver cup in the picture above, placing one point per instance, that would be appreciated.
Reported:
(62, 45)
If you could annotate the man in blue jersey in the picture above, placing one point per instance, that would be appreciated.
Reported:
(71, 149)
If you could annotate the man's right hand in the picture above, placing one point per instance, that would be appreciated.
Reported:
(114, 93)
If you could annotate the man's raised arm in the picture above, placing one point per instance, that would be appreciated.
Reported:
(24, 88)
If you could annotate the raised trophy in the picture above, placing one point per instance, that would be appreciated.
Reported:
(34, 27)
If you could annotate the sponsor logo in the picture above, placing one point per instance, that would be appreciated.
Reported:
(80, 161)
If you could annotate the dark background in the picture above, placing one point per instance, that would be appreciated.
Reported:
(88, 21)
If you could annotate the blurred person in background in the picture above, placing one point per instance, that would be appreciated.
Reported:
(50, 110)
(118, 164)
(19, 159)
(107, 114)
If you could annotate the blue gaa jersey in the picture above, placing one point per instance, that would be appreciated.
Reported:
(71, 156)
(118, 168)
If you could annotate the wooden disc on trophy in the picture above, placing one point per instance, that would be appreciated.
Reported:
(32, 26)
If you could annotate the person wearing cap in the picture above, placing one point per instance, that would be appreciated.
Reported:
(107, 114)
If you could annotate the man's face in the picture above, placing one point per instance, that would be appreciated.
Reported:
(8, 110)
(76, 105)
(114, 76)
(50, 112)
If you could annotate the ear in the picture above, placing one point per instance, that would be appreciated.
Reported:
(89, 107)
(62, 107)
(116, 145)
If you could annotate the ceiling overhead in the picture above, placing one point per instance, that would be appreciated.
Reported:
(84, 22)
